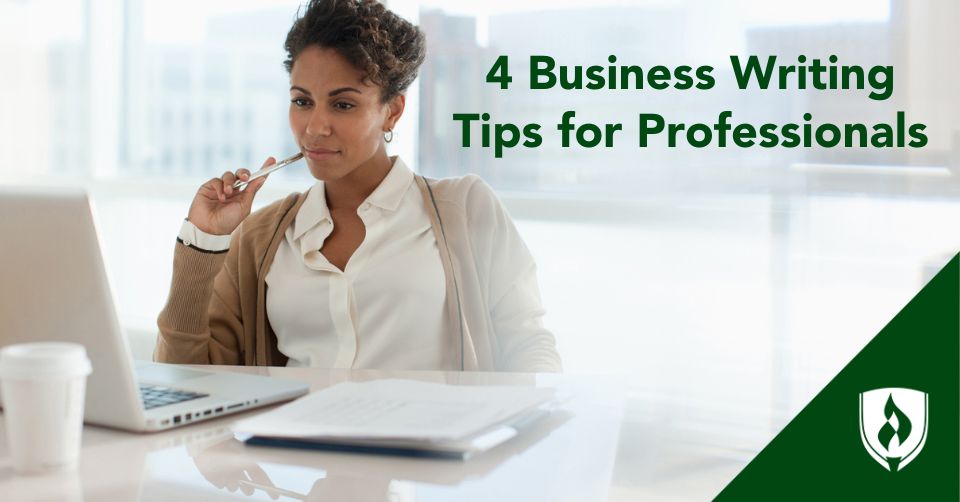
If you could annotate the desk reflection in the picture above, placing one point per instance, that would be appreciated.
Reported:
(230, 465)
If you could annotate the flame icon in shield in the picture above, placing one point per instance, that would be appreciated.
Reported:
(893, 425)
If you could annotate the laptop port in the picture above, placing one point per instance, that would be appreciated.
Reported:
(219, 409)
(176, 419)
(207, 412)
(233, 406)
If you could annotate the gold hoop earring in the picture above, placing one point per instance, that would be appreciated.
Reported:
(390, 137)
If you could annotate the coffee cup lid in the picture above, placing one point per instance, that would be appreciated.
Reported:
(44, 360)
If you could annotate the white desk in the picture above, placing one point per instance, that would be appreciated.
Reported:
(604, 447)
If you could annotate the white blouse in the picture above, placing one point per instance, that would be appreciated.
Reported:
(385, 310)
(388, 309)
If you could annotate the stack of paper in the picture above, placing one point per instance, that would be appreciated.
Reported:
(401, 417)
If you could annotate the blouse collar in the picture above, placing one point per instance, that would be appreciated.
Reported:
(388, 195)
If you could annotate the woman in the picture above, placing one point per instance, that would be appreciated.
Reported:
(373, 266)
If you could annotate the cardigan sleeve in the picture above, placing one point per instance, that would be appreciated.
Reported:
(201, 321)
(509, 275)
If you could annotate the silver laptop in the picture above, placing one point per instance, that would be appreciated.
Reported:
(53, 286)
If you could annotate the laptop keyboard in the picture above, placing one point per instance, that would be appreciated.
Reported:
(154, 396)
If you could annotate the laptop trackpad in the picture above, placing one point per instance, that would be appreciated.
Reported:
(166, 373)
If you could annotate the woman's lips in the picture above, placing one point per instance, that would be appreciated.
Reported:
(320, 154)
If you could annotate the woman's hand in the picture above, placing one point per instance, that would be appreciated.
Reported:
(219, 208)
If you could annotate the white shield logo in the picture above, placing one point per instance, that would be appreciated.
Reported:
(893, 425)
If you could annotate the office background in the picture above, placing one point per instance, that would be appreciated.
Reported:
(739, 278)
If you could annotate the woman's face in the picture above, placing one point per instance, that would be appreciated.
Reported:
(337, 119)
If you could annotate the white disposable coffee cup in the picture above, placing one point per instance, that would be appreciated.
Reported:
(43, 391)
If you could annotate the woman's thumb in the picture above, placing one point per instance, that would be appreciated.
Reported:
(255, 185)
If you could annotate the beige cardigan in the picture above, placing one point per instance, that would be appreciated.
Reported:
(474, 235)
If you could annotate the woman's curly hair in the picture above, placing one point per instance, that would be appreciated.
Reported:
(386, 47)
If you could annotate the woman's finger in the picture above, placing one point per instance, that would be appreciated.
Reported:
(217, 185)
(228, 179)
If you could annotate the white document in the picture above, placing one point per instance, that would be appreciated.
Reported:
(397, 409)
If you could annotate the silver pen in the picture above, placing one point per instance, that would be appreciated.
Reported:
(267, 170)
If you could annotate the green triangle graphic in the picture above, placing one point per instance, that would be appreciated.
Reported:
(819, 455)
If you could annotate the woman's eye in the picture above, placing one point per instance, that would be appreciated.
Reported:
(300, 102)
(343, 106)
